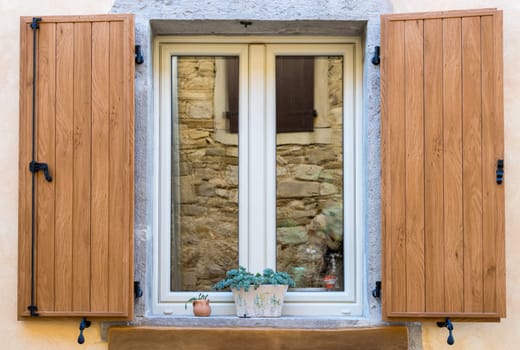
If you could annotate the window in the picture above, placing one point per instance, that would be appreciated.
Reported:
(235, 186)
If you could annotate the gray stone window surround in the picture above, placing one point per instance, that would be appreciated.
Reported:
(269, 17)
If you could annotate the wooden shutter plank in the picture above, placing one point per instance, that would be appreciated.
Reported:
(24, 195)
(453, 218)
(82, 169)
(397, 185)
(414, 164)
(45, 152)
(118, 200)
(472, 164)
(488, 166)
(498, 122)
(100, 164)
(64, 170)
(434, 176)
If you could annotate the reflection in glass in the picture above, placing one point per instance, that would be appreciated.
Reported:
(204, 171)
(309, 156)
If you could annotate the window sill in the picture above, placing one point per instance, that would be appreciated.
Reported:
(284, 322)
(211, 332)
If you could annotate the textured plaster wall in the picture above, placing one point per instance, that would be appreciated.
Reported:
(503, 335)
(44, 334)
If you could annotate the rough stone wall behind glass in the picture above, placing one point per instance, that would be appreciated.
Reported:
(309, 187)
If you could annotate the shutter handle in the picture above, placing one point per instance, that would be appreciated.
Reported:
(449, 325)
(34, 167)
(82, 325)
(500, 171)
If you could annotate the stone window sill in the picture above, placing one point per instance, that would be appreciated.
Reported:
(284, 322)
(230, 333)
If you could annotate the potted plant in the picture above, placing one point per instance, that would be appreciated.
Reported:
(200, 304)
(257, 295)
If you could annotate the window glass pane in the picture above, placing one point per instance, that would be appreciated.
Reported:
(204, 241)
(309, 156)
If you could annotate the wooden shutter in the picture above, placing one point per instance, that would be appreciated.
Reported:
(85, 132)
(294, 93)
(232, 79)
(442, 135)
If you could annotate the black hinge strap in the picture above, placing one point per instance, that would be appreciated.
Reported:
(500, 171)
(33, 309)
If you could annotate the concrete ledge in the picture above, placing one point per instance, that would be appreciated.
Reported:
(162, 338)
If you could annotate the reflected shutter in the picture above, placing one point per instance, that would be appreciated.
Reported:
(84, 131)
(442, 136)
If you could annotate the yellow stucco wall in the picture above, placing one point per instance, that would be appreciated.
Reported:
(56, 335)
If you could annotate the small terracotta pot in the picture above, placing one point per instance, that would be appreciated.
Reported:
(201, 308)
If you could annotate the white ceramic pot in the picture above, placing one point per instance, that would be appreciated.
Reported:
(264, 301)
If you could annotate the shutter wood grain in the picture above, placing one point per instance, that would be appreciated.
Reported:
(442, 134)
(85, 132)
(64, 162)
(434, 177)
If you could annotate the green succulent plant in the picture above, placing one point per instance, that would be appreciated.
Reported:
(192, 299)
(241, 278)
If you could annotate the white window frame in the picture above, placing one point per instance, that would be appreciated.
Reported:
(257, 218)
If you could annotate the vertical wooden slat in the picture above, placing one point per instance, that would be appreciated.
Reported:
(24, 193)
(472, 164)
(453, 217)
(63, 174)
(45, 152)
(414, 165)
(498, 121)
(128, 239)
(118, 204)
(82, 166)
(489, 185)
(397, 175)
(100, 164)
(434, 174)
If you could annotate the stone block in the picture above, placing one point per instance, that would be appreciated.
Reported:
(297, 189)
(327, 189)
(192, 210)
(307, 172)
(200, 109)
(206, 189)
(292, 235)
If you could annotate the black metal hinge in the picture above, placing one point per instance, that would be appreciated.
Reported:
(138, 292)
(376, 59)
(376, 293)
(139, 58)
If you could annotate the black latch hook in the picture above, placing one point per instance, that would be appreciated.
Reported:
(82, 325)
(34, 167)
(449, 325)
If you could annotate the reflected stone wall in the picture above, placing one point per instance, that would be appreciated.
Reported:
(205, 239)
(205, 187)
